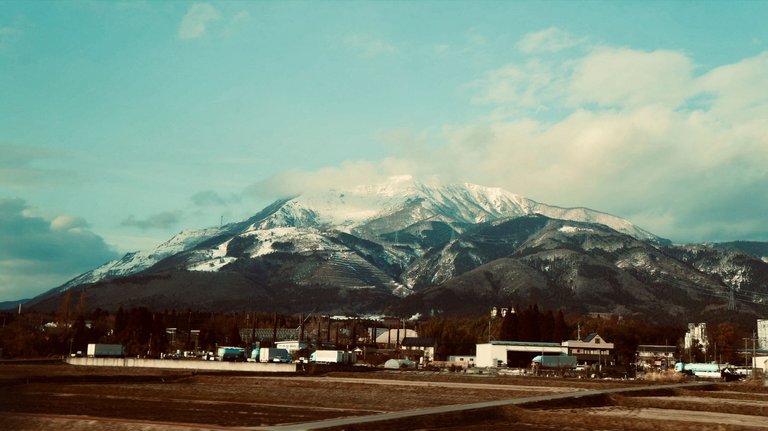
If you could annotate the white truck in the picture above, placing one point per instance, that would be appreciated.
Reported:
(105, 351)
(332, 357)
(271, 354)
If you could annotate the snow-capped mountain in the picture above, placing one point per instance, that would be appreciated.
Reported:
(366, 211)
(404, 201)
(366, 247)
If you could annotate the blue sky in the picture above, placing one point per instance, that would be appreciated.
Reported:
(122, 123)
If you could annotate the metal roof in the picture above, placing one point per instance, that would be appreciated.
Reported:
(524, 343)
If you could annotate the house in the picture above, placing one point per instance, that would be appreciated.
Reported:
(591, 350)
(655, 357)
(421, 350)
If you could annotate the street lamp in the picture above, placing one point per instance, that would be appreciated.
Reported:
(494, 312)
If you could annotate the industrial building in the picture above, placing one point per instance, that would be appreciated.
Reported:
(518, 354)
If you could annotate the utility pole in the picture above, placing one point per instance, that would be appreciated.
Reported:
(745, 351)
(754, 338)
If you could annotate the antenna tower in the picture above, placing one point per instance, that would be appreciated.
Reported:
(731, 300)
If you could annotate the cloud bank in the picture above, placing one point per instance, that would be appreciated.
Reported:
(36, 254)
(647, 135)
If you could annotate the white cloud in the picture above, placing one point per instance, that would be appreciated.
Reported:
(529, 85)
(641, 135)
(294, 182)
(368, 46)
(549, 40)
(625, 77)
(739, 88)
(65, 222)
(608, 77)
(235, 23)
(632, 137)
(195, 23)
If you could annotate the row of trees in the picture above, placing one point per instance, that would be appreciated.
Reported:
(147, 333)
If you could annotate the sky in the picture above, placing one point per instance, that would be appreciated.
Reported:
(124, 123)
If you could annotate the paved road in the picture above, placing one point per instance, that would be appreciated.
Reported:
(462, 407)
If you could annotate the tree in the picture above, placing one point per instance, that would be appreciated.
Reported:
(234, 338)
(529, 329)
(724, 342)
(509, 327)
(547, 327)
(560, 330)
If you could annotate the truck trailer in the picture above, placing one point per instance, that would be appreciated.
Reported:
(701, 369)
(271, 354)
(230, 354)
(332, 357)
(105, 351)
(559, 361)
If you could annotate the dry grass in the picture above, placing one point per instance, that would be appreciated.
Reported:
(668, 376)
(110, 398)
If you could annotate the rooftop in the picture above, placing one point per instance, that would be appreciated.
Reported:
(524, 343)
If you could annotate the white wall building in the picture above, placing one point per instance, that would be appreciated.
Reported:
(762, 333)
(592, 349)
(697, 334)
(292, 346)
(498, 353)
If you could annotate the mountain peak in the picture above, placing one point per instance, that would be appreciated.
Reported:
(376, 212)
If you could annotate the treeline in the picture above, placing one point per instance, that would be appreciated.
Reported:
(145, 333)
(141, 331)
(148, 334)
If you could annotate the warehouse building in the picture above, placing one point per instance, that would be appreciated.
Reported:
(518, 354)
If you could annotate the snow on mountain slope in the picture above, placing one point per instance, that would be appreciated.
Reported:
(300, 224)
(590, 216)
(458, 203)
(138, 261)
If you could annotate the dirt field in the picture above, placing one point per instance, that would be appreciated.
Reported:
(58, 396)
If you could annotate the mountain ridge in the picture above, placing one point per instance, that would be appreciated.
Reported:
(403, 241)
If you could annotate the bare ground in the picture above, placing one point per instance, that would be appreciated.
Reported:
(58, 397)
